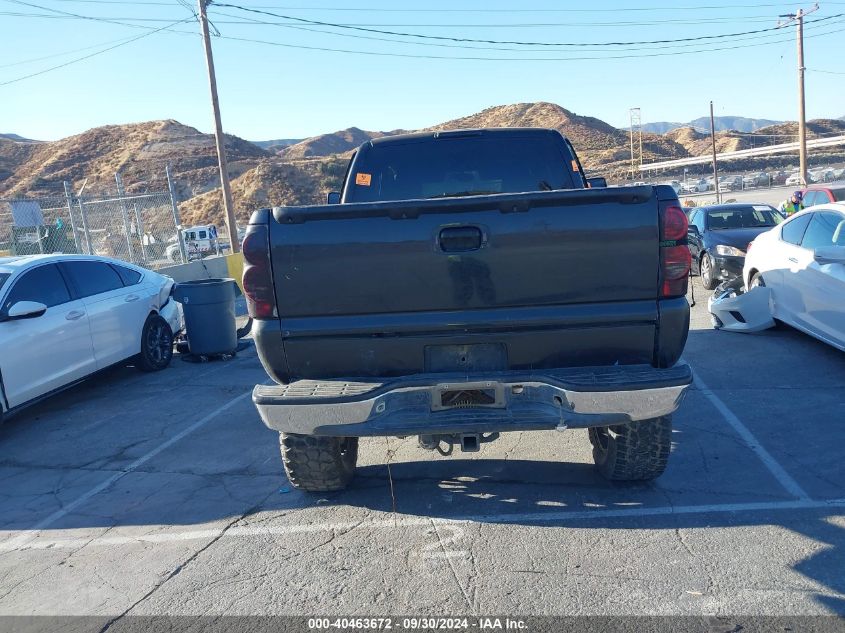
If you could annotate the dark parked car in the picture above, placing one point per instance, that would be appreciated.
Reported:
(719, 235)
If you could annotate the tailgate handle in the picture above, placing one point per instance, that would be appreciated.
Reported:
(460, 239)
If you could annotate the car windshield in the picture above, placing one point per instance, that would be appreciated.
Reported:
(3, 278)
(750, 217)
(838, 194)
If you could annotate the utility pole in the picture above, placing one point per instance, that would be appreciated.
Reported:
(798, 18)
(229, 207)
(631, 113)
(715, 169)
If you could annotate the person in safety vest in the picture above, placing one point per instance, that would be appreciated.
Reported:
(794, 204)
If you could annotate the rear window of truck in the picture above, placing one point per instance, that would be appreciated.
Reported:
(460, 166)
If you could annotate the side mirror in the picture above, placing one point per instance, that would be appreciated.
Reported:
(830, 255)
(26, 310)
(692, 229)
(333, 197)
(596, 183)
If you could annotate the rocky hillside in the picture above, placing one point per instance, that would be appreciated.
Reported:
(139, 151)
(269, 183)
(721, 123)
(328, 144)
(303, 172)
(586, 133)
(816, 127)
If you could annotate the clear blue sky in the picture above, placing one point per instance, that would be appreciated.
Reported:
(270, 91)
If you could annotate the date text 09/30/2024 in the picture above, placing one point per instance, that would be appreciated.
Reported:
(418, 623)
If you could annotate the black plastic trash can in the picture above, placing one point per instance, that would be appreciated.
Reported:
(209, 307)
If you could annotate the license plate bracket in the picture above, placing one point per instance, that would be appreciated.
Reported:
(485, 395)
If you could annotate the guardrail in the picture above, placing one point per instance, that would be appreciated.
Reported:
(780, 148)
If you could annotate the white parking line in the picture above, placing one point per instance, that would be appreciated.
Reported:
(27, 535)
(769, 462)
(42, 542)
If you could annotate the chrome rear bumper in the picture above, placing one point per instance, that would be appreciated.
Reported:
(516, 400)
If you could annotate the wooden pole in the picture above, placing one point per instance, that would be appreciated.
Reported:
(228, 205)
(715, 169)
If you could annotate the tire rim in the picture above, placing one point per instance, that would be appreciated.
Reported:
(603, 438)
(158, 342)
(345, 446)
(706, 269)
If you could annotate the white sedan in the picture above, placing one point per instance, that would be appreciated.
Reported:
(64, 317)
(802, 264)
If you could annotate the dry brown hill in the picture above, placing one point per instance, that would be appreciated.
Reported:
(328, 144)
(729, 141)
(816, 127)
(685, 136)
(307, 170)
(269, 183)
(13, 154)
(587, 134)
(139, 151)
(591, 136)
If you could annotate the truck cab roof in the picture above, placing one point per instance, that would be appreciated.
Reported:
(500, 132)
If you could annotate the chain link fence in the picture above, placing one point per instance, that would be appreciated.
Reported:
(141, 229)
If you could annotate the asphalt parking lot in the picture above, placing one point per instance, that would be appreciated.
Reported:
(162, 494)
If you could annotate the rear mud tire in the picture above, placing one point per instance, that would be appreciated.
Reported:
(638, 451)
(318, 464)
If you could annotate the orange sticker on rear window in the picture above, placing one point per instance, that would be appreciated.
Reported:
(363, 179)
(574, 165)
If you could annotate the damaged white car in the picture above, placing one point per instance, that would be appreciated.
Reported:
(65, 317)
(794, 273)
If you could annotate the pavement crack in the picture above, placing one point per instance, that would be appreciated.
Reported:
(516, 444)
(711, 581)
(684, 543)
(452, 567)
(183, 565)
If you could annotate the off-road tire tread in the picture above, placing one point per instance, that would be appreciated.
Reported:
(318, 464)
(638, 451)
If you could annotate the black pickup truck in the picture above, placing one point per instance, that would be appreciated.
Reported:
(465, 284)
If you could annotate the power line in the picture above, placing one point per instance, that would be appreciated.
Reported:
(507, 59)
(512, 42)
(75, 15)
(89, 56)
(582, 45)
(697, 21)
(62, 54)
(673, 8)
(826, 72)
(168, 28)
(496, 48)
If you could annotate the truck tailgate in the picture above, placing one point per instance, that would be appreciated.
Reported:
(511, 281)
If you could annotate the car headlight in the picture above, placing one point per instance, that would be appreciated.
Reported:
(722, 249)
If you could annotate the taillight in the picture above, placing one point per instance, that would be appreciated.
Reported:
(258, 278)
(674, 252)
